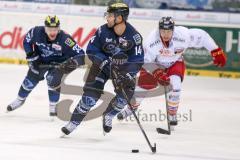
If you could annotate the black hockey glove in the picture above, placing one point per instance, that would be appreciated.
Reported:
(33, 62)
(69, 65)
(117, 59)
(125, 80)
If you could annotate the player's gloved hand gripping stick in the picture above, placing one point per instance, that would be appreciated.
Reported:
(164, 80)
(116, 73)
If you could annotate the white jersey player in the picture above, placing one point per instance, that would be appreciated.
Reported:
(165, 47)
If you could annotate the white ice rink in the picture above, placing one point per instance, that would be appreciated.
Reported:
(213, 133)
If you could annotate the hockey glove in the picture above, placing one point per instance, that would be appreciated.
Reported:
(125, 80)
(219, 57)
(117, 59)
(33, 62)
(162, 78)
(96, 68)
(69, 65)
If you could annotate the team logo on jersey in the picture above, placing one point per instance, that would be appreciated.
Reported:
(178, 50)
(138, 39)
(124, 44)
(47, 53)
(40, 44)
(109, 40)
(178, 39)
(165, 52)
(110, 48)
(154, 43)
(197, 39)
(69, 42)
(122, 41)
(57, 47)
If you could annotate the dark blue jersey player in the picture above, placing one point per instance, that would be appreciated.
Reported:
(116, 47)
(50, 52)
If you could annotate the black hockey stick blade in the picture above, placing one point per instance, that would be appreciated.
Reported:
(163, 131)
(154, 148)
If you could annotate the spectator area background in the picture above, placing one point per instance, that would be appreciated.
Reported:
(201, 5)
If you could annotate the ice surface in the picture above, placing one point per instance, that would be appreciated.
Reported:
(213, 133)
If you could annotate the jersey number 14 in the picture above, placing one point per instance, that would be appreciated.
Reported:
(138, 50)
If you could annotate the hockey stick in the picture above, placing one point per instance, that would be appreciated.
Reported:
(160, 130)
(54, 65)
(153, 148)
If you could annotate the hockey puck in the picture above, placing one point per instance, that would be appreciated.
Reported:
(135, 150)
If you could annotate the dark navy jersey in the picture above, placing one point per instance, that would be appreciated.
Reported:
(130, 43)
(59, 50)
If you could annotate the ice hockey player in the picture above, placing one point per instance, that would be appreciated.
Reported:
(119, 41)
(49, 51)
(165, 47)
